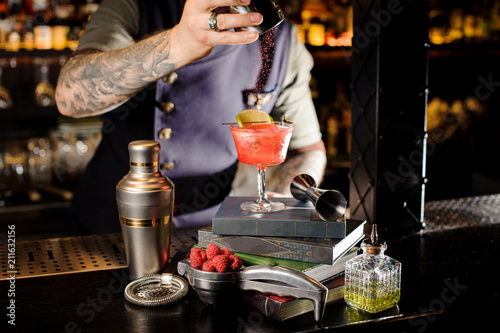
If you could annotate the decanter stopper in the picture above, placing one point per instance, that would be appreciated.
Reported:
(374, 245)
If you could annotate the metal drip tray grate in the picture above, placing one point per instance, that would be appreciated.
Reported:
(462, 212)
(64, 255)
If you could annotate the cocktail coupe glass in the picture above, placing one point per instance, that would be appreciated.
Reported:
(262, 145)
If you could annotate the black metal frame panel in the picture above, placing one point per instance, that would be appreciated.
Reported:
(389, 100)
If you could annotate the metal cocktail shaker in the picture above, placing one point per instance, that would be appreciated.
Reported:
(145, 200)
(271, 12)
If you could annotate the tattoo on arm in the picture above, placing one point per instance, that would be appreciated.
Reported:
(95, 83)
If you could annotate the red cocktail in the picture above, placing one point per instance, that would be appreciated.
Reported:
(262, 145)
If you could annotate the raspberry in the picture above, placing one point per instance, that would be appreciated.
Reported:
(220, 262)
(212, 251)
(197, 249)
(236, 262)
(196, 259)
(208, 266)
(230, 260)
(226, 252)
(203, 255)
(201, 252)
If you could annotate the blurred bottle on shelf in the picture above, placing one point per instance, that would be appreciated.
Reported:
(475, 24)
(44, 90)
(64, 12)
(60, 37)
(13, 42)
(28, 37)
(314, 13)
(41, 12)
(4, 23)
(11, 26)
(64, 18)
(4, 7)
(316, 35)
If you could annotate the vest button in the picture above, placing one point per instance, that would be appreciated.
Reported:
(167, 107)
(165, 134)
(168, 166)
(171, 78)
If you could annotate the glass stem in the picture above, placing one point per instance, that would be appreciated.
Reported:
(261, 180)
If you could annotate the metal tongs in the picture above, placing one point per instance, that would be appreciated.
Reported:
(219, 288)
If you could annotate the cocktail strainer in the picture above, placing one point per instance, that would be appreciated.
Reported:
(156, 289)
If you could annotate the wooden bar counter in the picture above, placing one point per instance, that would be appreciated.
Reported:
(450, 274)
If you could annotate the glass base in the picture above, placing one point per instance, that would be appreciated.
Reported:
(262, 207)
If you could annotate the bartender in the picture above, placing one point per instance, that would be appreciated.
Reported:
(173, 71)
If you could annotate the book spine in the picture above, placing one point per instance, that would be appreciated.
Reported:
(333, 278)
(274, 308)
(264, 304)
(323, 273)
(286, 248)
(277, 228)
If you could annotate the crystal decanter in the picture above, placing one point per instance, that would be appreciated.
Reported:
(372, 279)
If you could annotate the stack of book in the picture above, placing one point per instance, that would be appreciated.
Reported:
(295, 238)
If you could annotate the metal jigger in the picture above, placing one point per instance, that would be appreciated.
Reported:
(271, 12)
(330, 204)
(145, 200)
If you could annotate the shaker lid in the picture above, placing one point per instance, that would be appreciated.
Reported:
(144, 152)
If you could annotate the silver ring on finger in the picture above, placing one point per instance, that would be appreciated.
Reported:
(212, 22)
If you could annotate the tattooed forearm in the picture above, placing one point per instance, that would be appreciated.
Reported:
(95, 83)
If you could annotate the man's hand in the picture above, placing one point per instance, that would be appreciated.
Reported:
(193, 38)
